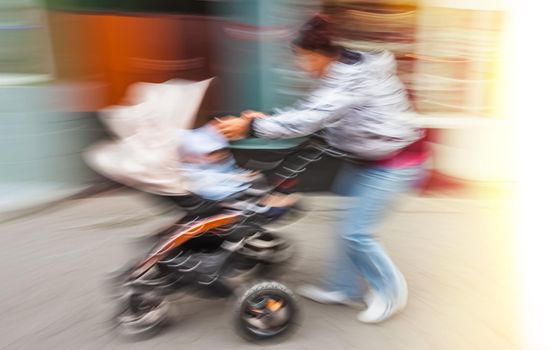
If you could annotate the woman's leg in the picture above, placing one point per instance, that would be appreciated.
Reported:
(344, 276)
(344, 285)
(375, 190)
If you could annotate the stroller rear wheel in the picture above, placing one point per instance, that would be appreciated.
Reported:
(266, 311)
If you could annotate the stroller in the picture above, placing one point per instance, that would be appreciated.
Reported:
(211, 249)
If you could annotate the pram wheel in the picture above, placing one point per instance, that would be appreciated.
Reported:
(141, 314)
(140, 310)
(265, 311)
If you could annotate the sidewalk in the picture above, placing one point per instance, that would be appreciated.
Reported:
(455, 253)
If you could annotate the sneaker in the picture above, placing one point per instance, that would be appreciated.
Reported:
(380, 308)
(324, 296)
(404, 291)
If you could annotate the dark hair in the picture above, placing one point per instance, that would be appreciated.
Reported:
(316, 35)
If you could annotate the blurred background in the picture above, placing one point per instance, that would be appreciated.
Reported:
(62, 61)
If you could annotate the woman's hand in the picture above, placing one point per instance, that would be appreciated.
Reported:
(252, 114)
(233, 128)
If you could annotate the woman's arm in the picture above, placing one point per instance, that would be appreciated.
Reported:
(291, 123)
(319, 110)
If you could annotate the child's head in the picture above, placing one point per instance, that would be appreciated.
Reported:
(203, 145)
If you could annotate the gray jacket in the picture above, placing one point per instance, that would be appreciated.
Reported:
(360, 104)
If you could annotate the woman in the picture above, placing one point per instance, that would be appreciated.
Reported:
(362, 108)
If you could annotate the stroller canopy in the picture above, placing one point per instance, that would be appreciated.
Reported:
(144, 152)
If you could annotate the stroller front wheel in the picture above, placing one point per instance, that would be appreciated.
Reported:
(266, 311)
(139, 309)
(141, 314)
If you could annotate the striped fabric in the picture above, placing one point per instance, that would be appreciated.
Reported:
(361, 105)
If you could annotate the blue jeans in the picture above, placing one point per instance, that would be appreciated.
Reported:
(360, 257)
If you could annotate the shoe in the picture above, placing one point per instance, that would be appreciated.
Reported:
(381, 308)
(323, 296)
(403, 291)
(378, 309)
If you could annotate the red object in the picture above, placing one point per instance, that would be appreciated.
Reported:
(414, 154)
(121, 49)
(438, 182)
(288, 184)
(418, 153)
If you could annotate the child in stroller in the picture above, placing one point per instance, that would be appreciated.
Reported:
(211, 171)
